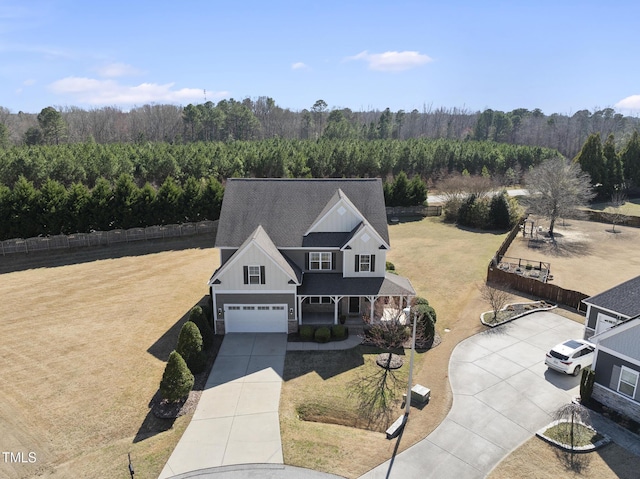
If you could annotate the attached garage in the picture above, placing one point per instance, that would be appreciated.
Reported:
(256, 318)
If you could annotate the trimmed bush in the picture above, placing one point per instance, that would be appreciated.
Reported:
(207, 310)
(426, 318)
(306, 332)
(177, 380)
(189, 342)
(338, 331)
(389, 266)
(322, 335)
(199, 318)
(197, 362)
(420, 300)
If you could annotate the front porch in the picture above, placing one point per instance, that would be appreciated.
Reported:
(355, 311)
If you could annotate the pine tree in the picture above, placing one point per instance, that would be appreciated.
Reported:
(591, 159)
(630, 156)
(614, 177)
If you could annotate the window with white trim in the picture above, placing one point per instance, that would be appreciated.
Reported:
(320, 260)
(628, 381)
(254, 274)
(365, 262)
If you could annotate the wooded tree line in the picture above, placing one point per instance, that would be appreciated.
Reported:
(610, 170)
(154, 162)
(262, 118)
(51, 209)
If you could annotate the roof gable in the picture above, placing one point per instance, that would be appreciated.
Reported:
(623, 338)
(359, 232)
(287, 208)
(260, 239)
(339, 215)
(623, 299)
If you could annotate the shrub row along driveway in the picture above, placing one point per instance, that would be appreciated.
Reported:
(236, 421)
(503, 393)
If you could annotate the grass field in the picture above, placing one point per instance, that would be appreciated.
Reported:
(445, 265)
(83, 350)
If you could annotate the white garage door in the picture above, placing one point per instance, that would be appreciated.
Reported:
(256, 318)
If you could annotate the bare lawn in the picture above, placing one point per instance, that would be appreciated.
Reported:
(588, 257)
(83, 349)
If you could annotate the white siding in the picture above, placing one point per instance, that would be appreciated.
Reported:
(358, 247)
(233, 278)
(334, 222)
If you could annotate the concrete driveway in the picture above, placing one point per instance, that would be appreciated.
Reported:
(502, 394)
(236, 421)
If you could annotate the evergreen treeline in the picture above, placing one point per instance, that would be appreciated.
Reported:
(154, 162)
(27, 211)
(262, 118)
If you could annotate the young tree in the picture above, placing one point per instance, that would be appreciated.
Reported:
(613, 213)
(177, 380)
(557, 188)
(496, 297)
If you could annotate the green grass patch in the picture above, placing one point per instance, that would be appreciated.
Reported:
(582, 435)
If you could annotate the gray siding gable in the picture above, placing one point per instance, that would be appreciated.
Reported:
(626, 342)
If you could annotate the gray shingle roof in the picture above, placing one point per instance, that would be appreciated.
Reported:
(623, 299)
(286, 208)
(327, 284)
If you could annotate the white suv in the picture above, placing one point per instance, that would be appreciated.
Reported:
(571, 356)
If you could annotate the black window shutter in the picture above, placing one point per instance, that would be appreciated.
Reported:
(357, 263)
(373, 262)
(261, 274)
(306, 261)
(246, 274)
(333, 261)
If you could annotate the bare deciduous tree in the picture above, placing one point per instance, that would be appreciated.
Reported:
(556, 189)
(496, 297)
(613, 213)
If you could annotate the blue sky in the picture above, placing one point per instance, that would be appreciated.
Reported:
(560, 56)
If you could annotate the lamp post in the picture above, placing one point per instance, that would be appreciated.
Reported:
(413, 348)
(131, 471)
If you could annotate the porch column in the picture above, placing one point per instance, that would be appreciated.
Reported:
(300, 310)
(335, 309)
(372, 300)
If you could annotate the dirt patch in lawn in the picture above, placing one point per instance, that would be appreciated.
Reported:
(587, 257)
(84, 346)
(536, 459)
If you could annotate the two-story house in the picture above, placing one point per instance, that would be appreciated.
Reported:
(302, 250)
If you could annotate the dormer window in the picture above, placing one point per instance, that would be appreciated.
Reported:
(320, 261)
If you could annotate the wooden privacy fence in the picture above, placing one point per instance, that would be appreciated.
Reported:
(550, 292)
(103, 238)
(413, 211)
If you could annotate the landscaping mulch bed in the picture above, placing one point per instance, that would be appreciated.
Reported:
(514, 311)
(616, 417)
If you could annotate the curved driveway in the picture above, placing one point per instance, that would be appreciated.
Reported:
(502, 394)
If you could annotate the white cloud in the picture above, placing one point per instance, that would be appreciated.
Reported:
(110, 92)
(299, 66)
(392, 61)
(629, 103)
(114, 70)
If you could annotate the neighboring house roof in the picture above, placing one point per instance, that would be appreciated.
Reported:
(260, 238)
(327, 284)
(623, 299)
(287, 208)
